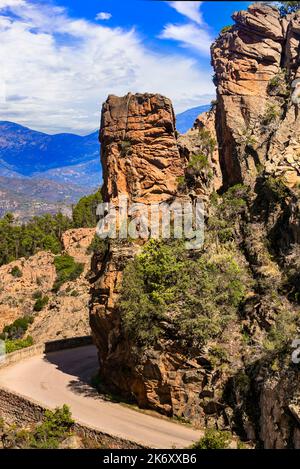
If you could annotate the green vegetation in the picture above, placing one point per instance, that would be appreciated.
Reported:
(181, 182)
(84, 213)
(16, 272)
(278, 85)
(277, 188)
(167, 294)
(213, 439)
(271, 114)
(66, 270)
(228, 208)
(289, 7)
(55, 427)
(17, 329)
(40, 303)
(225, 29)
(16, 344)
(208, 142)
(125, 148)
(97, 246)
(198, 162)
(44, 232)
(283, 331)
(247, 138)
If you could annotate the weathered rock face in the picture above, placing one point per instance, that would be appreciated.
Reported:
(141, 160)
(251, 136)
(139, 153)
(280, 410)
(257, 123)
(202, 140)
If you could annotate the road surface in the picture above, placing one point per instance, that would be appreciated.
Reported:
(62, 378)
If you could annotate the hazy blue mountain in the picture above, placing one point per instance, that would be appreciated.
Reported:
(186, 119)
(27, 152)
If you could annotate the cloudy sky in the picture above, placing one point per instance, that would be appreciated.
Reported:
(60, 59)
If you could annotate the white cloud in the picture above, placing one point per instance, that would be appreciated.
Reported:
(64, 68)
(194, 34)
(188, 35)
(189, 9)
(103, 15)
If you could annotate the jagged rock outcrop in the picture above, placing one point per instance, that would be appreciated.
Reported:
(141, 160)
(246, 149)
(255, 62)
(139, 154)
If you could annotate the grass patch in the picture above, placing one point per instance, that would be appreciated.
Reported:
(12, 345)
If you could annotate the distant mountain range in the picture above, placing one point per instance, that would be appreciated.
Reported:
(26, 152)
(45, 173)
(186, 119)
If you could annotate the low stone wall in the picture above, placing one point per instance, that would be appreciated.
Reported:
(16, 409)
(47, 347)
(19, 410)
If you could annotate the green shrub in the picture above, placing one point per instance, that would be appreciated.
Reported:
(16, 344)
(275, 81)
(37, 295)
(97, 246)
(198, 162)
(181, 182)
(213, 439)
(225, 29)
(18, 328)
(16, 272)
(277, 188)
(283, 330)
(272, 112)
(225, 235)
(40, 303)
(165, 293)
(55, 427)
(41, 233)
(208, 142)
(66, 270)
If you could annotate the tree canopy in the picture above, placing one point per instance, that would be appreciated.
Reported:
(44, 232)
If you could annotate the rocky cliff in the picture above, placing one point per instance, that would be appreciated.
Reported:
(24, 281)
(222, 343)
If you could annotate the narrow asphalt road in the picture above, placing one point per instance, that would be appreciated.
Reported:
(63, 378)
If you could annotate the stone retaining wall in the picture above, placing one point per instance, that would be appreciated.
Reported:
(16, 409)
(47, 347)
(19, 410)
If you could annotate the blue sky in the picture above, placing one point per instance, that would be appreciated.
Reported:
(62, 58)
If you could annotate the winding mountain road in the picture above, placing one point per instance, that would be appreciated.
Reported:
(63, 377)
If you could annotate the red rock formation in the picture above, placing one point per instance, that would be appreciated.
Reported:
(255, 122)
(140, 157)
(251, 134)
